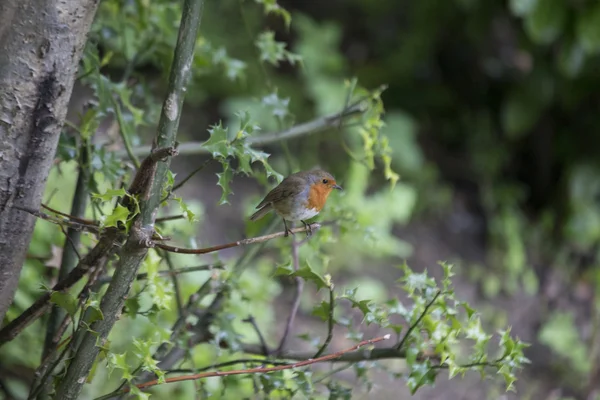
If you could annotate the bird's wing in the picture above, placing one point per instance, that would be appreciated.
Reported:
(290, 186)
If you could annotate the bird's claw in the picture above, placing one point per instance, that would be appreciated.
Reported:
(308, 229)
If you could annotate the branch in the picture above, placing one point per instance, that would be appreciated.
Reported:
(261, 370)
(263, 343)
(317, 125)
(243, 242)
(82, 221)
(77, 226)
(170, 218)
(167, 355)
(330, 322)
(70, 255)
(148, 184)
(175, 272)
(187, 178)
(105, 248)
(354, 356)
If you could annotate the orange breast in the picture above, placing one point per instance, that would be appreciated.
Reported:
(317, 196)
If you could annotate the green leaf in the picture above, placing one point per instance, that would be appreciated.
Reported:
(304, 382)
(119, 361)
(470, 311)
(285, 269)
(560, 334)
(588, 29)
(278, 106)
(189, 214)
(571, 58)
(308, 274)
(546, 22)
(271, 7)
(274, 52)
(132, 305)
(217, 144)
(522, 8)
(225, 178)
(93, 312)
(110, 194)
(322, 311)
(119, 214)
(66, 301)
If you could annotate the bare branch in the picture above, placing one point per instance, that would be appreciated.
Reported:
(261, 370)
(187, 178)
(243, 242)
(317, 125)
(60, 221)
(174, 272)
(70, 217)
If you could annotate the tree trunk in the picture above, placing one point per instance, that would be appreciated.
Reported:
(41, 42)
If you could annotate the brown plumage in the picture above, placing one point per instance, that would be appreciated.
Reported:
(298, 197)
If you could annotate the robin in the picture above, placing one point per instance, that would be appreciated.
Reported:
(300, 196)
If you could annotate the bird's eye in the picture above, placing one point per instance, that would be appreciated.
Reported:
(325, 181)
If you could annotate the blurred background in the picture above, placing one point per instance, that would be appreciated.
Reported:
(491, 111)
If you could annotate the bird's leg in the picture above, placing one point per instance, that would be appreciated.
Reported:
(287, 230)
(308, 228)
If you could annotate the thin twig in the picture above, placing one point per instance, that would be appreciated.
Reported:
(82, 221)
(169, 218)
(263, 343)
(175, 272)
(330, 323)
(55, 220)
(418, 321)
(70, 241)
(262, 369)
(49, 360)
(297, 295)
(243, 242)
(317, 125)
(167, 355)
(262, 361)
(123, 133)
(187, 178)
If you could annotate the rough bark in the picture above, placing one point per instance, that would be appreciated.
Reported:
(41, 42)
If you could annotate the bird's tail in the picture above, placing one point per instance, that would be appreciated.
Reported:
(262, 212)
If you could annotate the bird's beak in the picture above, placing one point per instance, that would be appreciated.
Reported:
(338, 187)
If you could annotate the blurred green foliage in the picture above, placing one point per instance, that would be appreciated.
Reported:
(496, 97)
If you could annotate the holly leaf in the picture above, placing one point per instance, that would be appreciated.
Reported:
(110, 194)
(217, 144)
(308, 274)
(322, 311)
(66, 301)
(225, 178)
(119, 214)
